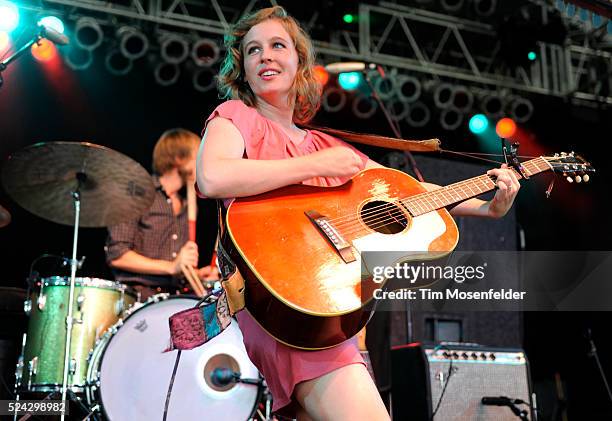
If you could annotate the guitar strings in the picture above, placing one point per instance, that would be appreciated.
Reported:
(425, 197)
(389, 212)
(424, 200)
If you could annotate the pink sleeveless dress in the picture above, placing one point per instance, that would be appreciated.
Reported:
(283, 367)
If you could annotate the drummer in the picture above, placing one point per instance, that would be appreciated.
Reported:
(147, 253)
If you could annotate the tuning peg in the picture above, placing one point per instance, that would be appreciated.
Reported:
(571, 153)
(563, 154)
(578, 179)
(586, 178)
(556, 155)
(569, 179)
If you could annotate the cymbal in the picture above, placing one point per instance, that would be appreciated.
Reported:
(5, 217)
(42, 178)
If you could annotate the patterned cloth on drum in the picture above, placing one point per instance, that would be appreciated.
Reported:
(195, 326)
(97, 304)
(129, 372)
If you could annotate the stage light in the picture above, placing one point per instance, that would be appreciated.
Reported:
(443, 95)
(521, 109)
(78, 58)
(418, 114)
(505, 128)
(205, 52)
(52, 22)
(348, 18)
(450, 119)
(451, 5)
(462, 99)
(349, 81)
(320, 74)
(364, 106)
(4, 41)
(386, 87)
(174, 49)
(133, 44)
(333, 100)
(167, 74)
(398, 110)
(492, 105)
(485, 7)
(117, 64)
(408, 88)
(532, 55)
(43, 50)
(478, 123)
(87, 33)
(9, 16)
(204, 80)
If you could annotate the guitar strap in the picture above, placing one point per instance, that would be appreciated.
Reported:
(231, 279)
(426, 145)
(195, 326)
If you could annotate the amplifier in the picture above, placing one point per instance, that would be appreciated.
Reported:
(469, 373)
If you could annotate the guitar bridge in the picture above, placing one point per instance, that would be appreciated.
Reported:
(332, 235)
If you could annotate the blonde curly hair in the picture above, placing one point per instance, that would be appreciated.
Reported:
(231, 80)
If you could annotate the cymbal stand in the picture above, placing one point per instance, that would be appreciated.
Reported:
(76, 196)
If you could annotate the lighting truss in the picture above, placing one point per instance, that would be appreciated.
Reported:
(557, 72)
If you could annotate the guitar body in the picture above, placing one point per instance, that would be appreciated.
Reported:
(300, 248)
(298, 286)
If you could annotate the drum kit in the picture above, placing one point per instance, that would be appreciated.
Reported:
(88, 339)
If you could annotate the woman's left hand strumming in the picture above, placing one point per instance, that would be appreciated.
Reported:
(507, 189)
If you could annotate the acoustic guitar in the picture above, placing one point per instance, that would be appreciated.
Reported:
(299, 248)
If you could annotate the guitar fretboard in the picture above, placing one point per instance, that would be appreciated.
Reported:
(453, 193)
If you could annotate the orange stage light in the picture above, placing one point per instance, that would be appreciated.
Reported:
(44, 50)
(320, 74)
(506, 128)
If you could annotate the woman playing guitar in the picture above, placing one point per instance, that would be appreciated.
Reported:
(252, 145)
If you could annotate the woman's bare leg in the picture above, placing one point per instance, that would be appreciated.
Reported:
(347, 393)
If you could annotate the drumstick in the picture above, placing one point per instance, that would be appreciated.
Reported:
(193, 279)
(192, 214)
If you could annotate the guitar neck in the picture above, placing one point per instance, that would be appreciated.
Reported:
(472, 187)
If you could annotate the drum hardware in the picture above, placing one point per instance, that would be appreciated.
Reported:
(41, 301)
(27, 307)
(32, 365)
(96, 300)
(111, 186)
(80, 301)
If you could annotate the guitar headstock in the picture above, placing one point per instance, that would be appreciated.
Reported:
(572, 166)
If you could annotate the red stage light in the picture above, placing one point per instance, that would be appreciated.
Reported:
(44, 50)
(320, 74)
(506, 128)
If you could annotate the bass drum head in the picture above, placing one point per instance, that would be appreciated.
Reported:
(134, 372)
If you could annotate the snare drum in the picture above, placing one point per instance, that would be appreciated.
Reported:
(97, 305)
(129, 373)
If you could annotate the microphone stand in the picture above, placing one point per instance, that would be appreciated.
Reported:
(413, 165)
(37, 37)
(593, 353)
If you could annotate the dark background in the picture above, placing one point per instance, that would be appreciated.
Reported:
(129, 113)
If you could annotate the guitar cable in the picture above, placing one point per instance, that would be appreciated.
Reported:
(448, 377)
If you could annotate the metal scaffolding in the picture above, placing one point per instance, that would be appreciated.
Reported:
(411, 40)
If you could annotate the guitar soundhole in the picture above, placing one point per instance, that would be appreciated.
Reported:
(384, 217)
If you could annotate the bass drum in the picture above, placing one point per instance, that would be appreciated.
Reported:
(129, 372)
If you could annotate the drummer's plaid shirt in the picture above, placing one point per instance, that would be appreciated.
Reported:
(158, 234)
